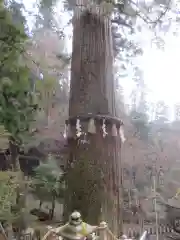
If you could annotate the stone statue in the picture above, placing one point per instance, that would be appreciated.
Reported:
(75, 229)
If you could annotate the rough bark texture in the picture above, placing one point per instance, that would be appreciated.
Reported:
(93, 176)
(21, 190)
(92, 85)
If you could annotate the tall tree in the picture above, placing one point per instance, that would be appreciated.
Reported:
(16, 12)
(17, 106)
(161, 112)
(139, 106)
(46, 16)
(47, 89)
(92, 96)
(80, 98)
(93, 170)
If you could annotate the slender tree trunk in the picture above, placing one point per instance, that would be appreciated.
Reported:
(93, 170)
(40, 204)
(52, 207)
(21, 189)
(14, 151)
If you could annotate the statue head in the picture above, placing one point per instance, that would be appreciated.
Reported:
(75, 218)
(75, 229)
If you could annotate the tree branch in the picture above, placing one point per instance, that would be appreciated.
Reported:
(144, 16)
(122, 22)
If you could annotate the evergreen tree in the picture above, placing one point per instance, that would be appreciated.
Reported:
(17, 105)
(47, 184)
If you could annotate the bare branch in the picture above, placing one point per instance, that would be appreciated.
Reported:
(121, 22)
(146, 18)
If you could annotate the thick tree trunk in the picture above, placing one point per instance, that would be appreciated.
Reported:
(93, 174)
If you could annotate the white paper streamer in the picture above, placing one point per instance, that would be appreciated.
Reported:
(78, 128)
(91, 126)
(121, 133)
(114, 130)
(104, 128)
(65, 131)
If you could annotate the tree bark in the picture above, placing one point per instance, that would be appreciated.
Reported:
(14, 151)
(40, 204)
(21, 190)
(93, 169)
(51, 215)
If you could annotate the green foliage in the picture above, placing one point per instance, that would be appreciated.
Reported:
(17, 106)
(140, 122)
(16, 12)
(46, 10)
(47, 183)
(8, 185)
(9, 211)
(46, 89)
